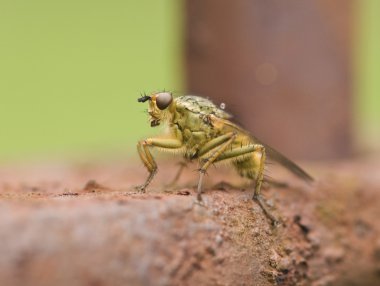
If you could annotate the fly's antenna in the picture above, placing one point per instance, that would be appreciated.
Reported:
(143, 98)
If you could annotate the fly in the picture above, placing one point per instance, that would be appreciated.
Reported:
(205, 132)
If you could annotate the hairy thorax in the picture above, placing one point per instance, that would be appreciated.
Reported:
(194, 129)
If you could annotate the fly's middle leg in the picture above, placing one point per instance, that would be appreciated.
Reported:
(182, 166)
(217, 145)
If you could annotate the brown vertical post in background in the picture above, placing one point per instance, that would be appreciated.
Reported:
(283, 68)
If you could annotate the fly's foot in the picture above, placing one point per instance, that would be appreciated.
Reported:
(275, 221)
(140, 189)
(135, 190)
(198, 201)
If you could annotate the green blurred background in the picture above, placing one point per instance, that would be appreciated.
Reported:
(70, 73)
(367, 74)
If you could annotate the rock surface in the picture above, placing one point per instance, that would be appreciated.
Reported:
(84, 225)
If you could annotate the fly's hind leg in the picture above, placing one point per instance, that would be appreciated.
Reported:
(147, 158)
(257, 152)
(259, 158)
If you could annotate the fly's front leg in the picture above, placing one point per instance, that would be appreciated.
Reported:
(149, 163)
(147, 158)
(219, 145)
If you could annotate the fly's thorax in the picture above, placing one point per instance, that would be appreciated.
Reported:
(201, 105)
(186, 119)
(189, 115)
(192, 138)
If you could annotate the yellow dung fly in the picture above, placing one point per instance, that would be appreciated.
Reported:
(201, 131)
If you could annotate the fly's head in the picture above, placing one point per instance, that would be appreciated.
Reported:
(159, 106)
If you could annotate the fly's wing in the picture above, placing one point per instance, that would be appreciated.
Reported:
(284, 161)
